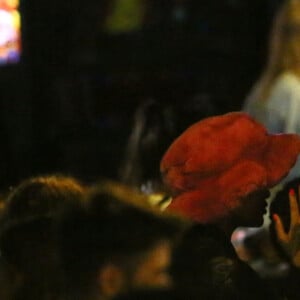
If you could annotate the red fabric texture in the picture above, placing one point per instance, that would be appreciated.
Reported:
(219, 160)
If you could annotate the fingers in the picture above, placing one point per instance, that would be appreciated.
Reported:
(281, 235)
(294, 209)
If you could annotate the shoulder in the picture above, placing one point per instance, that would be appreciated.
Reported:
(286, 88)
(287, 81)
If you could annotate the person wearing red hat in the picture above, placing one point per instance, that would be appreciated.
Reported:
(219, 172)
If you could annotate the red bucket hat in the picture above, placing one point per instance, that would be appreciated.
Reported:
(218, 161)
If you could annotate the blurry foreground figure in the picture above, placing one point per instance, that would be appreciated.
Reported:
(115, 243)
(29, 257)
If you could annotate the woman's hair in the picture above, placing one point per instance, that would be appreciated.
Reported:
(283, 52)
(153, 130)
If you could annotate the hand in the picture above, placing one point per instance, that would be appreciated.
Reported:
(290, 241)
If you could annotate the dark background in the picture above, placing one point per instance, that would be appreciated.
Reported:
(69, 105)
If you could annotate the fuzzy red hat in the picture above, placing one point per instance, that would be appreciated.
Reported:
(218, 161)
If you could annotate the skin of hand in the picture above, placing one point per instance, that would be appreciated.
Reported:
(290, 241)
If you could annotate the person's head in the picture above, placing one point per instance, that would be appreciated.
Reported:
(42, 195)
(252, 209)
(220, 169)
(115, 243)
(28, 235)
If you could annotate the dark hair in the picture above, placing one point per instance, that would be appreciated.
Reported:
(112, 227)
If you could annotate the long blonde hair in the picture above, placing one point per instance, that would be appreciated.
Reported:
(284, 48)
